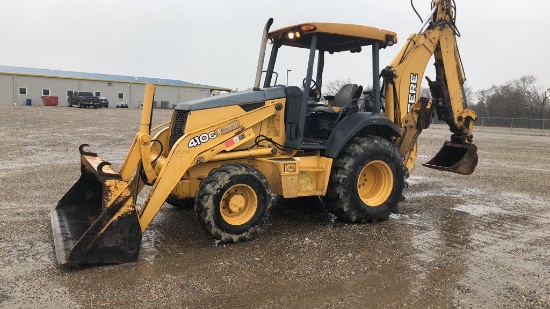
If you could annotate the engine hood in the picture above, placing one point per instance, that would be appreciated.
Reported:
(236, 98)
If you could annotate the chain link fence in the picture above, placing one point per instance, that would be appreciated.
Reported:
(514, 123)
(511, 123)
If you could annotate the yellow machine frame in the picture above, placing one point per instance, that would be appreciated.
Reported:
(233, 134)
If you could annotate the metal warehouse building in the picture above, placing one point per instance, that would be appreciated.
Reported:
(22, 86)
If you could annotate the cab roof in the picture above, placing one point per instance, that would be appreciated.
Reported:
(333, 37)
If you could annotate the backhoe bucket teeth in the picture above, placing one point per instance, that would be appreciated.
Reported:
(85, 230)
(456, 158)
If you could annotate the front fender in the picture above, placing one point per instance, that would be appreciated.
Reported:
(359, 124)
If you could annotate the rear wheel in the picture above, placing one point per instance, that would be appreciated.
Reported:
(232, 202)
(366, 181)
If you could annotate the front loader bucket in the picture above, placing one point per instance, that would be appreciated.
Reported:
(456, 158)
(85, 230)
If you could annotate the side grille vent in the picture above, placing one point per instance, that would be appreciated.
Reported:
(178, 127)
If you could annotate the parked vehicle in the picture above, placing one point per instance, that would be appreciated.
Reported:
(83, 99)
(103, 102)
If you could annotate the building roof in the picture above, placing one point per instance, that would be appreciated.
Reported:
(101, 77)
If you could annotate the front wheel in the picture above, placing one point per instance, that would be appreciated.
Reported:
(232, 202)
(366, 180)
(181, 203)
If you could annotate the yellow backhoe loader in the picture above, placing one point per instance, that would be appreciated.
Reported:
(227, 154)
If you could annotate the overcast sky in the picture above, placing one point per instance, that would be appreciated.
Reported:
(217, 42)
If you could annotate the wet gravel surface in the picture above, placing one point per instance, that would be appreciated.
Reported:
(479, 241)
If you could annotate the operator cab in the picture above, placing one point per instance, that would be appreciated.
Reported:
(310, 121)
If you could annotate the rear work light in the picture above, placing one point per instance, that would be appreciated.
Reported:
(390, 39)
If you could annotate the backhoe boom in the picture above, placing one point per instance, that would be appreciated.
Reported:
(412, 114)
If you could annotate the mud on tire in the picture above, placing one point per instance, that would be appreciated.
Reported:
(349, 192)
(232, 202)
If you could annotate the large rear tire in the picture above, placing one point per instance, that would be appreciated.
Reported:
(366, 181)
(232, 202)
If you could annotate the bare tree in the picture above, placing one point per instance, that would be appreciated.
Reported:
(425, 92)
(499, 101)
(535, 99)
(480, 106)
(518, 98)
(541, 102)
(524, 87)
(470, 94)
(334, 86)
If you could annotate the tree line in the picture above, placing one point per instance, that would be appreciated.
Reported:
(519, 98)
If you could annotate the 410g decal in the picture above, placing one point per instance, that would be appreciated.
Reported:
(203, 138)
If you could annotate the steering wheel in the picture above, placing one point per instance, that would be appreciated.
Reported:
(314, 91)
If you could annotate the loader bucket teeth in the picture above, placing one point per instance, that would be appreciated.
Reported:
(456, 158)
(85, 230)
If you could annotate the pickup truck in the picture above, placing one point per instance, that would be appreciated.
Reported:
(83, 99)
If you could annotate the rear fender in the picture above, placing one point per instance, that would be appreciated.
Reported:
(356, 125)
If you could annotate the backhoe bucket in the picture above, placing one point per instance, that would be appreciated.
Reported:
(456, 158)
(85, 230)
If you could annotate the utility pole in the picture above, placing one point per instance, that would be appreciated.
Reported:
(287, 77)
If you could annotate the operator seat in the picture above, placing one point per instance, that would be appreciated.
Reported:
(346, 94)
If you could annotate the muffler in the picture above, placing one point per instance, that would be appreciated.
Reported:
(96, 221)
(456, 158)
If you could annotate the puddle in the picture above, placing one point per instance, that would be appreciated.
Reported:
(479, 210)
(154, 244)
(415, 180)
(399, 217)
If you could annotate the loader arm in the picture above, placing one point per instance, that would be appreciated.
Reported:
(412, 114)
(97, 221)
(180, 159)
(182, 156)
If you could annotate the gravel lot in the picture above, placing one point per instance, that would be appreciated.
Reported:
(478, 241)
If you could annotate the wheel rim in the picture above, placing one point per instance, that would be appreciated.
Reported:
(238, 204)
(375, 183)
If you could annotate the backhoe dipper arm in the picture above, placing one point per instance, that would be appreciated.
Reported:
(403, 79)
